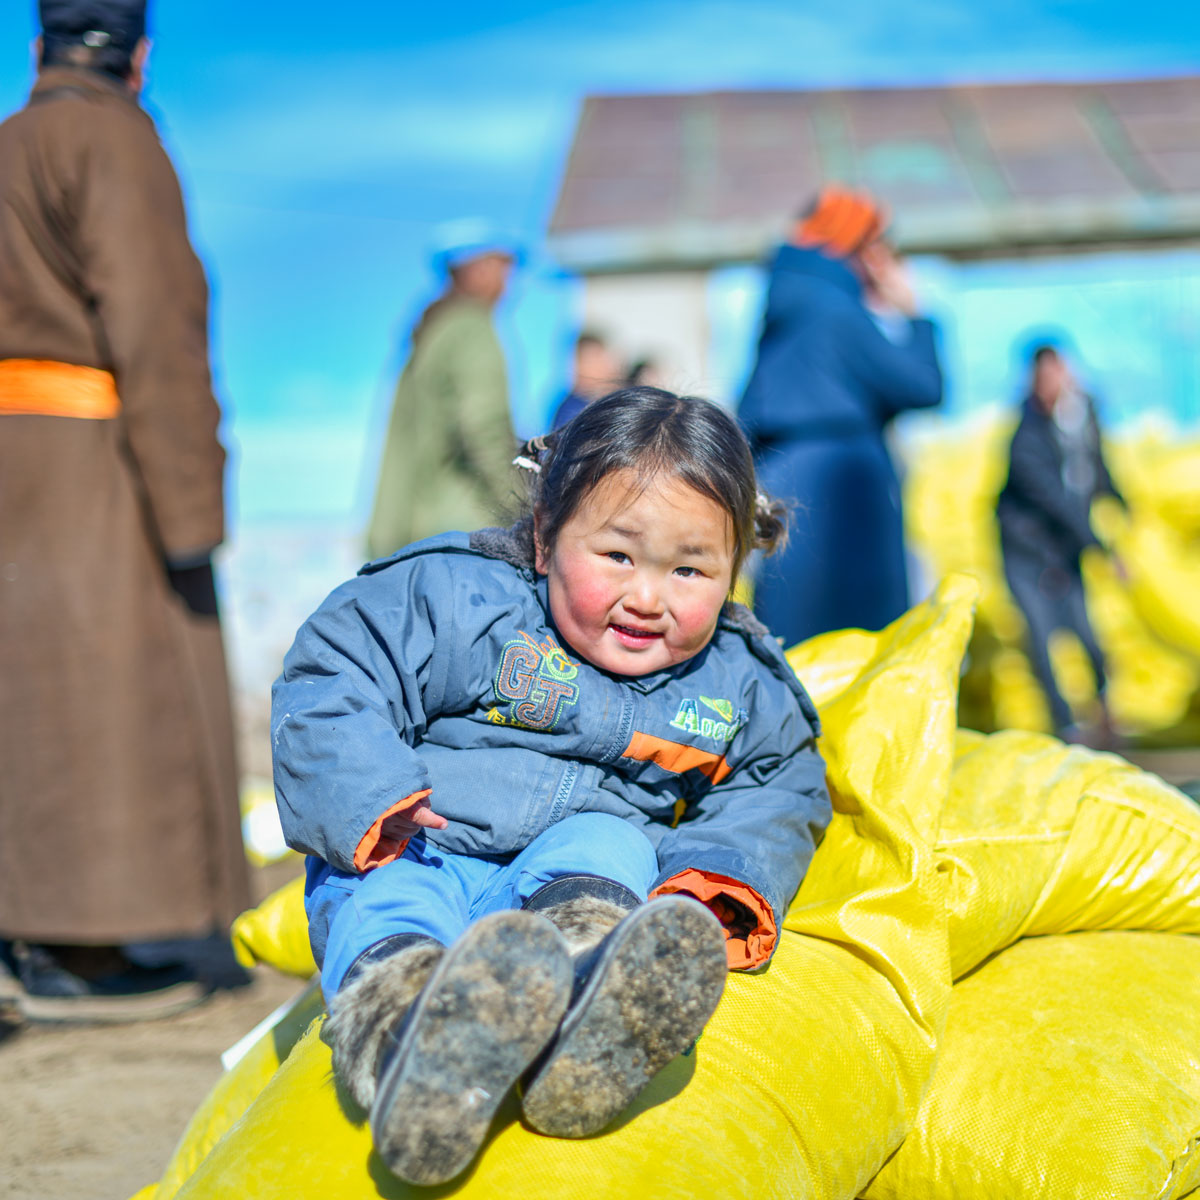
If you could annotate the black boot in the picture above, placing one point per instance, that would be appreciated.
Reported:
(647, 979)
(442, 1062)
(97, 985)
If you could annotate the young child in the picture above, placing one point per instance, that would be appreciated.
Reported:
(494, 747)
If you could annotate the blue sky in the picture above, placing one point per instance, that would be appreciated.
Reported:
(319, 143)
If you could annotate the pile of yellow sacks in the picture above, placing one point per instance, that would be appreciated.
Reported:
(986, 989)
(1148, 623)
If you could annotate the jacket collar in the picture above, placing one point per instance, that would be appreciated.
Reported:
(94, 82)
(513, 545)
(797, 260)
(1033, 408)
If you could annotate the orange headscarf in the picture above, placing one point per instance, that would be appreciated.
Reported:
(840, 222)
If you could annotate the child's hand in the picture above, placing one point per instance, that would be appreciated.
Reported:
(408, 821)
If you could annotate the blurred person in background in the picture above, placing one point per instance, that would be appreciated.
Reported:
(1056, 469)
(119, 817)
(595, 372)
(644, 372)
(447, 460)
(830, 375)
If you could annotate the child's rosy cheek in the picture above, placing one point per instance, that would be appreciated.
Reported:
(697, 620)
(586, 595)
(591, 600)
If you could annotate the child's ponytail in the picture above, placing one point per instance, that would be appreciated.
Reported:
(770, 523)
(530, 458)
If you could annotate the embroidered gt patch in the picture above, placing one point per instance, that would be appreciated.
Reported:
(690, 720)
(534, 681)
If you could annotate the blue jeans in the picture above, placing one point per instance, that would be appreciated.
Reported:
(1052, 597)
(438, 895)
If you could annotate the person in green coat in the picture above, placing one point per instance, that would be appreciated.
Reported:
(447, 460)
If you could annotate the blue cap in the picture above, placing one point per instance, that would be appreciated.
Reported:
(456, 242)
(1051, 337)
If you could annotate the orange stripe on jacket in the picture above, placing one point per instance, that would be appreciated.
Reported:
(676, 757)
(744, 948)
(376, 850)
(36, 387)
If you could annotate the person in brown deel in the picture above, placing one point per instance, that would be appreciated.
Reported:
(118, 808)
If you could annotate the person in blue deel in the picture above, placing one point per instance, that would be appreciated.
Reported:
(842, 352)
(551, 784)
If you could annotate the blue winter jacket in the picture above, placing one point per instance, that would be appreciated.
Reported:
(440, 667)
(824, 367)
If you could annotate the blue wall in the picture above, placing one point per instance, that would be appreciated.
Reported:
(1133, 320)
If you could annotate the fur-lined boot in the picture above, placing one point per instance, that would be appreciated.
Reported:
(374, 996)
(647, 979)
(430, 1040)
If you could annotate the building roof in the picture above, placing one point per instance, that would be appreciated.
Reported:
(664, 181)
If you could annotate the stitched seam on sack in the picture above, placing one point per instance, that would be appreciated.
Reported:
(970, 839)
(1182, 1162)
(1189, 831)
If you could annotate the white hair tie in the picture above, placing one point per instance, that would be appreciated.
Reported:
(527, 464)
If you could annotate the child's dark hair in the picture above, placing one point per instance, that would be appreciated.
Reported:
(647, 430)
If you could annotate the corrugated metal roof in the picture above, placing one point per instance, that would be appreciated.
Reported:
(699, 179)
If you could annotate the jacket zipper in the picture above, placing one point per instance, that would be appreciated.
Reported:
(565, 787)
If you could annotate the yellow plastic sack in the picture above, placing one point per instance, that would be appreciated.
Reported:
(739, 1115)
(1037, 837)
(235, 1091)
(875, 883)
(1159, 472)
(809, 1074)
(276, 933)
(1164, 579)
(1068, 1071)
(1151, 676)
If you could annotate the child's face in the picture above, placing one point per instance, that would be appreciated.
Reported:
(637, 578)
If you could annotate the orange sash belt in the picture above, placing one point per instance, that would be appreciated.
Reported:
(35, 387)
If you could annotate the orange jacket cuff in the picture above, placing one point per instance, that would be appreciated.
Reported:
(376, 850)
(743, 953)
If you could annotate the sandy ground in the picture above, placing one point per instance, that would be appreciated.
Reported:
(94, 1114)
(90, 1113)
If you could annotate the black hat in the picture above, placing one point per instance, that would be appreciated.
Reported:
(97, 23)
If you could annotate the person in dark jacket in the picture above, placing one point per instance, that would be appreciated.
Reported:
(829, 377)
(488, 743)
(1056, 469)
(595, 372)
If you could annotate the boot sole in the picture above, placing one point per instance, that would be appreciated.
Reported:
(488, 1010)
(656, 984)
